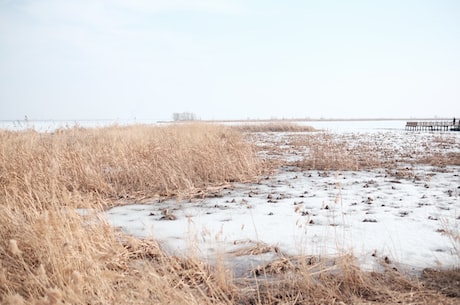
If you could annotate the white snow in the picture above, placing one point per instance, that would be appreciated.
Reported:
(371, 214)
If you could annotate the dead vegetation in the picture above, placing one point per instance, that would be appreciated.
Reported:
(124, 162)
(326, 151)
(274, 127)
(445, 281)
(256, 249)
(311, 280)
(50, 253)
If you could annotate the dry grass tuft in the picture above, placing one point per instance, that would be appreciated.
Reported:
(256, 249)
(440, 159)
(445, 281)
(333, 281)
(274, 127)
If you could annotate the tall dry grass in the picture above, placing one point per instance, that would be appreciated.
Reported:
(274, 127)
(116, 162)
(51, 254)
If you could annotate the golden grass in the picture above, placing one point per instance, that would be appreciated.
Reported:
(50, 254)
(307, 280)
(121, 162)
(274, 127)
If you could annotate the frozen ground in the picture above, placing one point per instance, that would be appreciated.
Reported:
(383, 218)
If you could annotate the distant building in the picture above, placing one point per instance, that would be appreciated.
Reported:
(184, 116)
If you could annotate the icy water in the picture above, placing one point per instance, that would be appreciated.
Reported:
(357, 126)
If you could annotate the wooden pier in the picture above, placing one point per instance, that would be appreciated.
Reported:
(433, 125)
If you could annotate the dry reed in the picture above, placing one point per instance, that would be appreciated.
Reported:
(274, 127)
(51, 254)
(301, 280)
(123, 162)
(326, 151)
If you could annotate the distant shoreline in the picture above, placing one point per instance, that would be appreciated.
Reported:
(134, 120)
(316, 120)
(330, 120)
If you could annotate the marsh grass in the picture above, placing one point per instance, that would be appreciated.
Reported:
(52, 254)
(326, 151)
(124, 162)
(274, 127)
(301, 280)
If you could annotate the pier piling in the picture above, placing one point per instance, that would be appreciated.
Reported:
(433, 125)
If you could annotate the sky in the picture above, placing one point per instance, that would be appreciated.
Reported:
(222, 59)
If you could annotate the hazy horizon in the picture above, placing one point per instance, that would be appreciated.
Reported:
(26, 118)
(228, 60)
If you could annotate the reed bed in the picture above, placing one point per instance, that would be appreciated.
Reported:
(52, 253)
(123, 162)
(274, 127)
(326, 151)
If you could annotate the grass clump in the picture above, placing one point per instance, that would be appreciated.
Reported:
(274, 127)
(303, 280)
(445, 281)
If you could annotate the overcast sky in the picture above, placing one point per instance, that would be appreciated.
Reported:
(126, 59)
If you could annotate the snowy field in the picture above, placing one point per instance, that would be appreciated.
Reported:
(404, 217)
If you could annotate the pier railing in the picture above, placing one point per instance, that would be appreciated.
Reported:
(432, 125)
